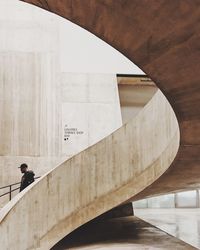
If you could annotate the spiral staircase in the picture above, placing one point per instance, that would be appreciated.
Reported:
(145, 157)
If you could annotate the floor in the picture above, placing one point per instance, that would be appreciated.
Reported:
(128, 233)
(181, 223)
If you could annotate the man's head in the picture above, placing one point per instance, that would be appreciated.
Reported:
(23, 167)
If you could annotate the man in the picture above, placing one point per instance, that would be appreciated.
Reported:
(27, 178)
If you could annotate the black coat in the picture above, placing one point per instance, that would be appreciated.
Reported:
(27, 179)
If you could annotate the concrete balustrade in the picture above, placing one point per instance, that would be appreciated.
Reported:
(164, 43)
(93, 181)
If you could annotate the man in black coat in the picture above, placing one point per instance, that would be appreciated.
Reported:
(27, 178)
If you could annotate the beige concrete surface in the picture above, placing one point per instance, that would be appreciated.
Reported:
(38, 99)
(93, 181)
(164, 43)
(43, 123)
(134, 92)
(182, 223)
(128, 233)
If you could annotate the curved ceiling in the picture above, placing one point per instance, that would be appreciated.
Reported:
(20, 23)
(162, 38)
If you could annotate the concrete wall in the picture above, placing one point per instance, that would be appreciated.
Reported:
(28, 59)
(103, 176)
(39, 104)
(134, 95)
(90, 109)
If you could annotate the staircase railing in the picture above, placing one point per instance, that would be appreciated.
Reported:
(12, 190)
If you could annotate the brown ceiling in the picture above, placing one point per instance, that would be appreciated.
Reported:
(162, 38)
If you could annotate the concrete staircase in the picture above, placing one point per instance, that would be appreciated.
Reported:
(94, 181)
(162, 37)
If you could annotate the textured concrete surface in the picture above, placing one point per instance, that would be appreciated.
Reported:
(134, 92)
(37, 99)
(181, 223)
(93, 181)
(162, 38)
(129, 233)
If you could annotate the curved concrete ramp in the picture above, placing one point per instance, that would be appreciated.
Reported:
(162, 38)
(94, 181)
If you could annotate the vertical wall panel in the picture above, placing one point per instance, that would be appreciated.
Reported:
(37, 100)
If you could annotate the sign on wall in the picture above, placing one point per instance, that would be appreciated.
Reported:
(69, 132)
(74, 128)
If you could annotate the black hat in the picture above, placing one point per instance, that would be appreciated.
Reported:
(24, 165)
